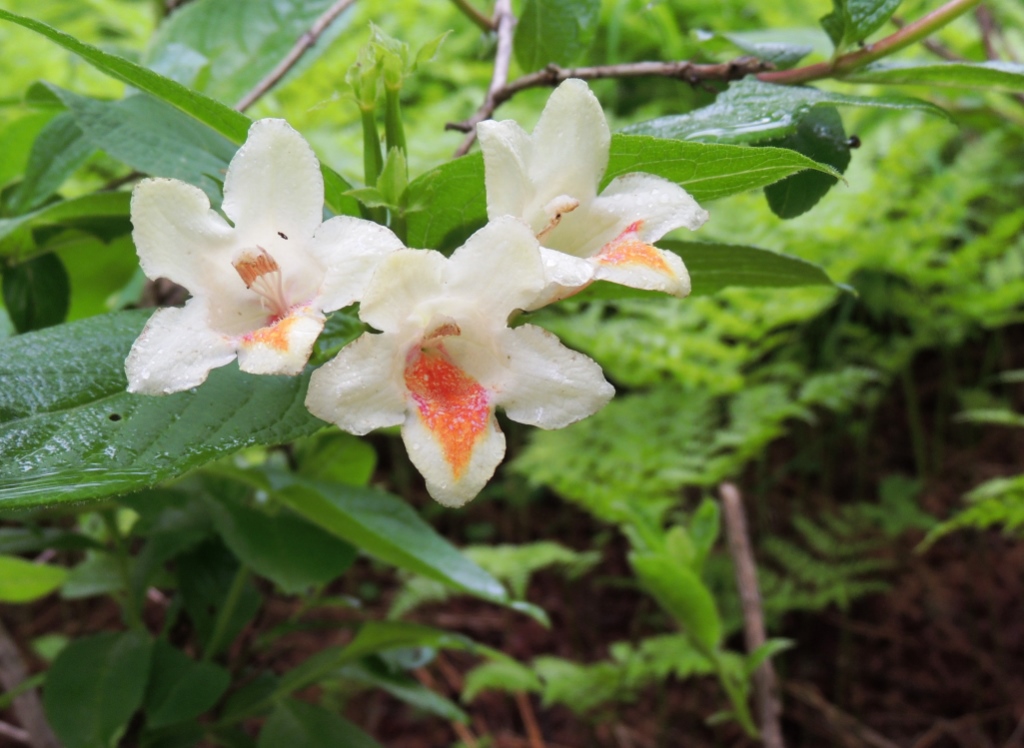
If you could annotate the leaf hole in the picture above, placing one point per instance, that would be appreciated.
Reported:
(114, 416)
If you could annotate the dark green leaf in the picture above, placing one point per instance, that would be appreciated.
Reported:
(554, 31)
(388, 528)
(18, 136)
(751, 111)
(290, 551)
(229, 123)
(37, 292)
(94, 686)
(69, 430)
(56, 153)
(372, 672)
(296, 724)
(207, 578)
(154, 138)
(708, 171)
(447, 204)
(820, 136)
(180, 688)
(683, 595)
(227, 65)
(713, 267)
(854, 21)
(1005, 76)
(103, 213)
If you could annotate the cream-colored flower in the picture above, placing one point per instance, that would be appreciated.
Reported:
(445, 359)
(261, 284)
(550, 178)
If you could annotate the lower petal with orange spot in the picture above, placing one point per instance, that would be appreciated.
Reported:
(454, 407)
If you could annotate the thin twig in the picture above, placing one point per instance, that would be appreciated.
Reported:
(304, 42)
(461, 731)
(912, 32)
(504, 22)
(989, 31)
(838, 722)
(471, 12)
(11, 732)
(26, 706)
(533, 732)
(935, 47)
(753, 620)
(552, 75)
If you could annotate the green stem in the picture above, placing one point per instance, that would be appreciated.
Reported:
(373, 161)
(132, 615)
(909, 34)
(474, 15)
(394, 131)
(226, 612)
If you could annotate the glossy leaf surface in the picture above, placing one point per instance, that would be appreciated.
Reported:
(69, 430)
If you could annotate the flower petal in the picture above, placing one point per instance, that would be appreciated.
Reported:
(661, 205)
(176, 351)
(349, 249)
(499, 268)
(451, 433)
(629, 261)
(507, 149)
(274, 186)
(403, 280)
(570, 143)
(565, 275)
(545, 384)
(177, 235)
(360, 389)
(282, 347)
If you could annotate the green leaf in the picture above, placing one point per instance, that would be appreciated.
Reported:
(511, 676)
(290, 551)
(297, 724)
(554, 31)
(22, 581)
(683, 595)
(1005, 76)
(449, 203)
(389, 529)
(708, 171)
(335, 456)
(18, 137)
(782, 54)
(820, 136)
(854, 20)
(99, 574)
(180, 688)
(713, 267)
(373, 673)
(56, 153)
(208, 577)
(228, 65)
(94, 686)
(154, 138)
(37, 292)
(104, 213)
(69, 430)
(751, 111)
(229, 123)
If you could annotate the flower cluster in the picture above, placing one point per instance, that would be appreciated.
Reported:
(444, 357)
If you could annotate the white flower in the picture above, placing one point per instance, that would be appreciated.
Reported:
(259, 287)
(446, 358)
(550, 178)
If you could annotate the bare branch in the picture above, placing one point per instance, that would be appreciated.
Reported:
(753, 620)
(26, 706)
(470, 10)
(504, 23)
(303, 43)
(552, 75)
(912, 32)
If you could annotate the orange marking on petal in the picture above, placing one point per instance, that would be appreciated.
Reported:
(453, 406)
(628, 249)
(274, 335)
